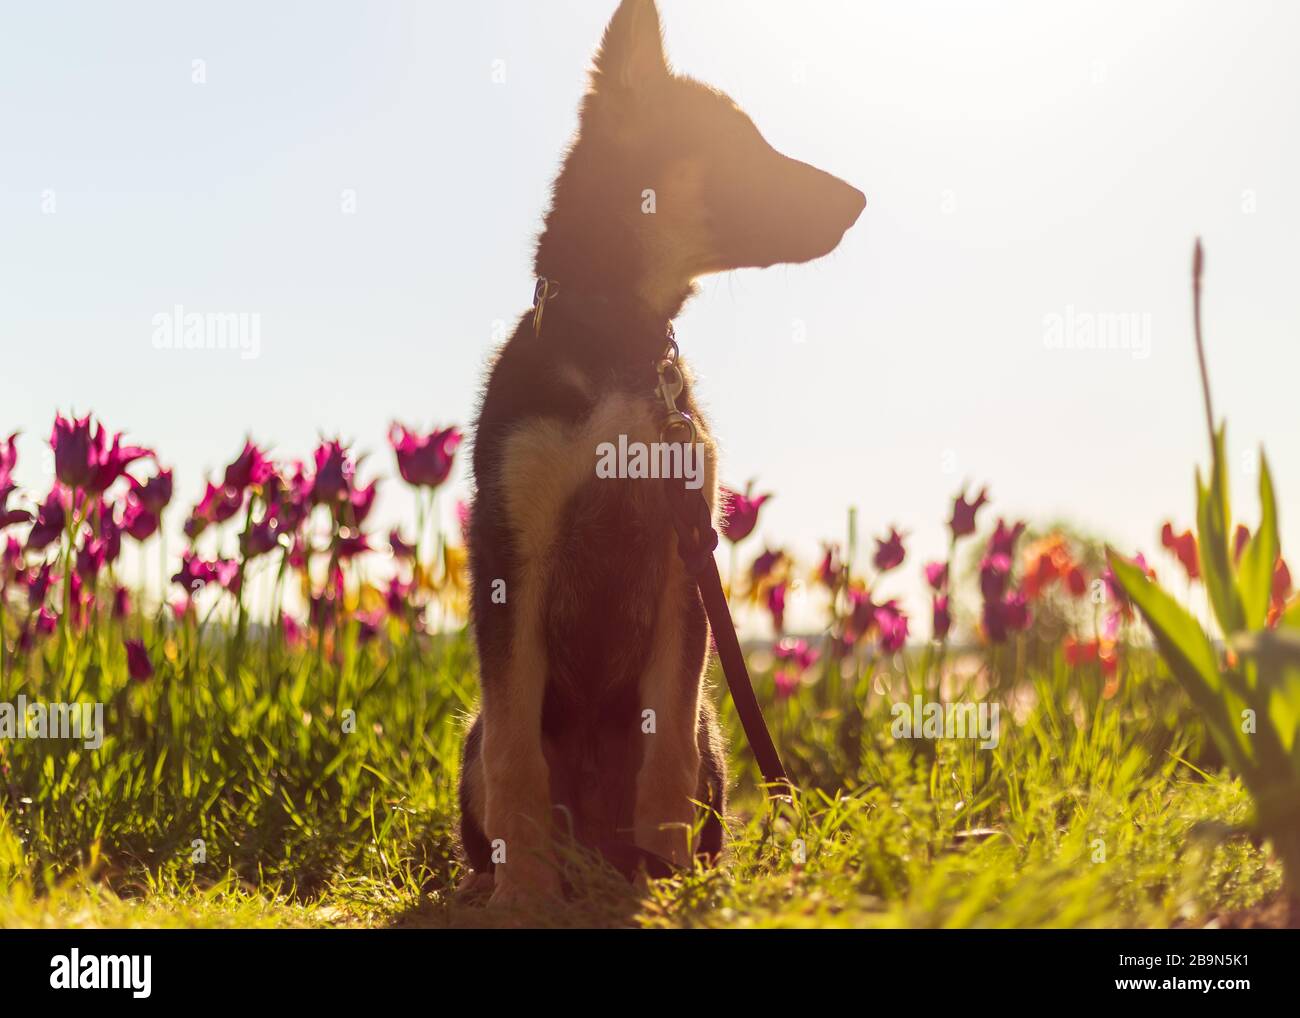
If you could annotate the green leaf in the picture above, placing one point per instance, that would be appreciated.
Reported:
(1255, 575)
(1213, 515)
(1189, 654)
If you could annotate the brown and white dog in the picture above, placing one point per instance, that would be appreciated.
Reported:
(592, 638)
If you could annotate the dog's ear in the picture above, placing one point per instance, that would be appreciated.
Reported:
(631, 54)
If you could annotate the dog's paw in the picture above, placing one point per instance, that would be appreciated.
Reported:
(474, 887)
(517, 887)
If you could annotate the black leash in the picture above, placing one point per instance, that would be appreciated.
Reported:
(696, 541)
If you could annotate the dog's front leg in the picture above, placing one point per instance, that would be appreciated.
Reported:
(517, 800)
(670, 765)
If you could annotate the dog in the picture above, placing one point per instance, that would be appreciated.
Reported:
(595, 723)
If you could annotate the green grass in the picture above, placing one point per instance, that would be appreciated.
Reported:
(304, 824)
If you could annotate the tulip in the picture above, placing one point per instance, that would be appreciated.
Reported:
(251, 467)
(1003, 540)
(889, 551)
(137, 661)
(38, 585)
(1183, 547)
(334, 472)
(942, 616)
(740, 512)
(936, 575)
(258, 539)
(764, 565)
(139, 520)
(995, 570)
(51, 518)
(785, 682)
(8, 460)
(963, 514)
(424, 461)
(797, 653)
(293, 634)
(892, 624)
(831, 570)
(77, 446)
(862, 615)
(1075, 582)
(121, 603)
(776, 606)
(155, 493)
(1240, 538)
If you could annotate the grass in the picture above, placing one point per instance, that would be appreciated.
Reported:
(254, 798)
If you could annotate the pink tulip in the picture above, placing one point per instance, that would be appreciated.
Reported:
(796, 653)
(424, 461)
(892, 624)
(740, 512)
(936, 575)
(786, 682)
(776, 606)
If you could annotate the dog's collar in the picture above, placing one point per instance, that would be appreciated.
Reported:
(667, 370)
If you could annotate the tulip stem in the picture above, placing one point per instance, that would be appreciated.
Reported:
(1198, 264)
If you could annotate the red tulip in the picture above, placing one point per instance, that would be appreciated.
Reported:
(1184, 548)
(424, 461)
(740, 512)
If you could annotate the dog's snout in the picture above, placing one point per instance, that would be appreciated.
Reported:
(856, 201)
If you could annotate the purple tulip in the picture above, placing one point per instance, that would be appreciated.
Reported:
(137, 661)
(892, 624)
(963, 514)
(401, 549)
(889, 551)
(334, 472)
(424, 461)
(51, 518)
(740, 512)
(251, 467)
(942, 616)
(1003, 541)
(155, 493)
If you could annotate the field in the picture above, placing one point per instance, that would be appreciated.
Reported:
(298, 767)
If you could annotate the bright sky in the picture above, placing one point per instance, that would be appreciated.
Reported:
(1021, 160)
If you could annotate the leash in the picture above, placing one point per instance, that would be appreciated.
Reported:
(696, 540)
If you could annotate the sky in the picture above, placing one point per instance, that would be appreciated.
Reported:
(368, 180)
